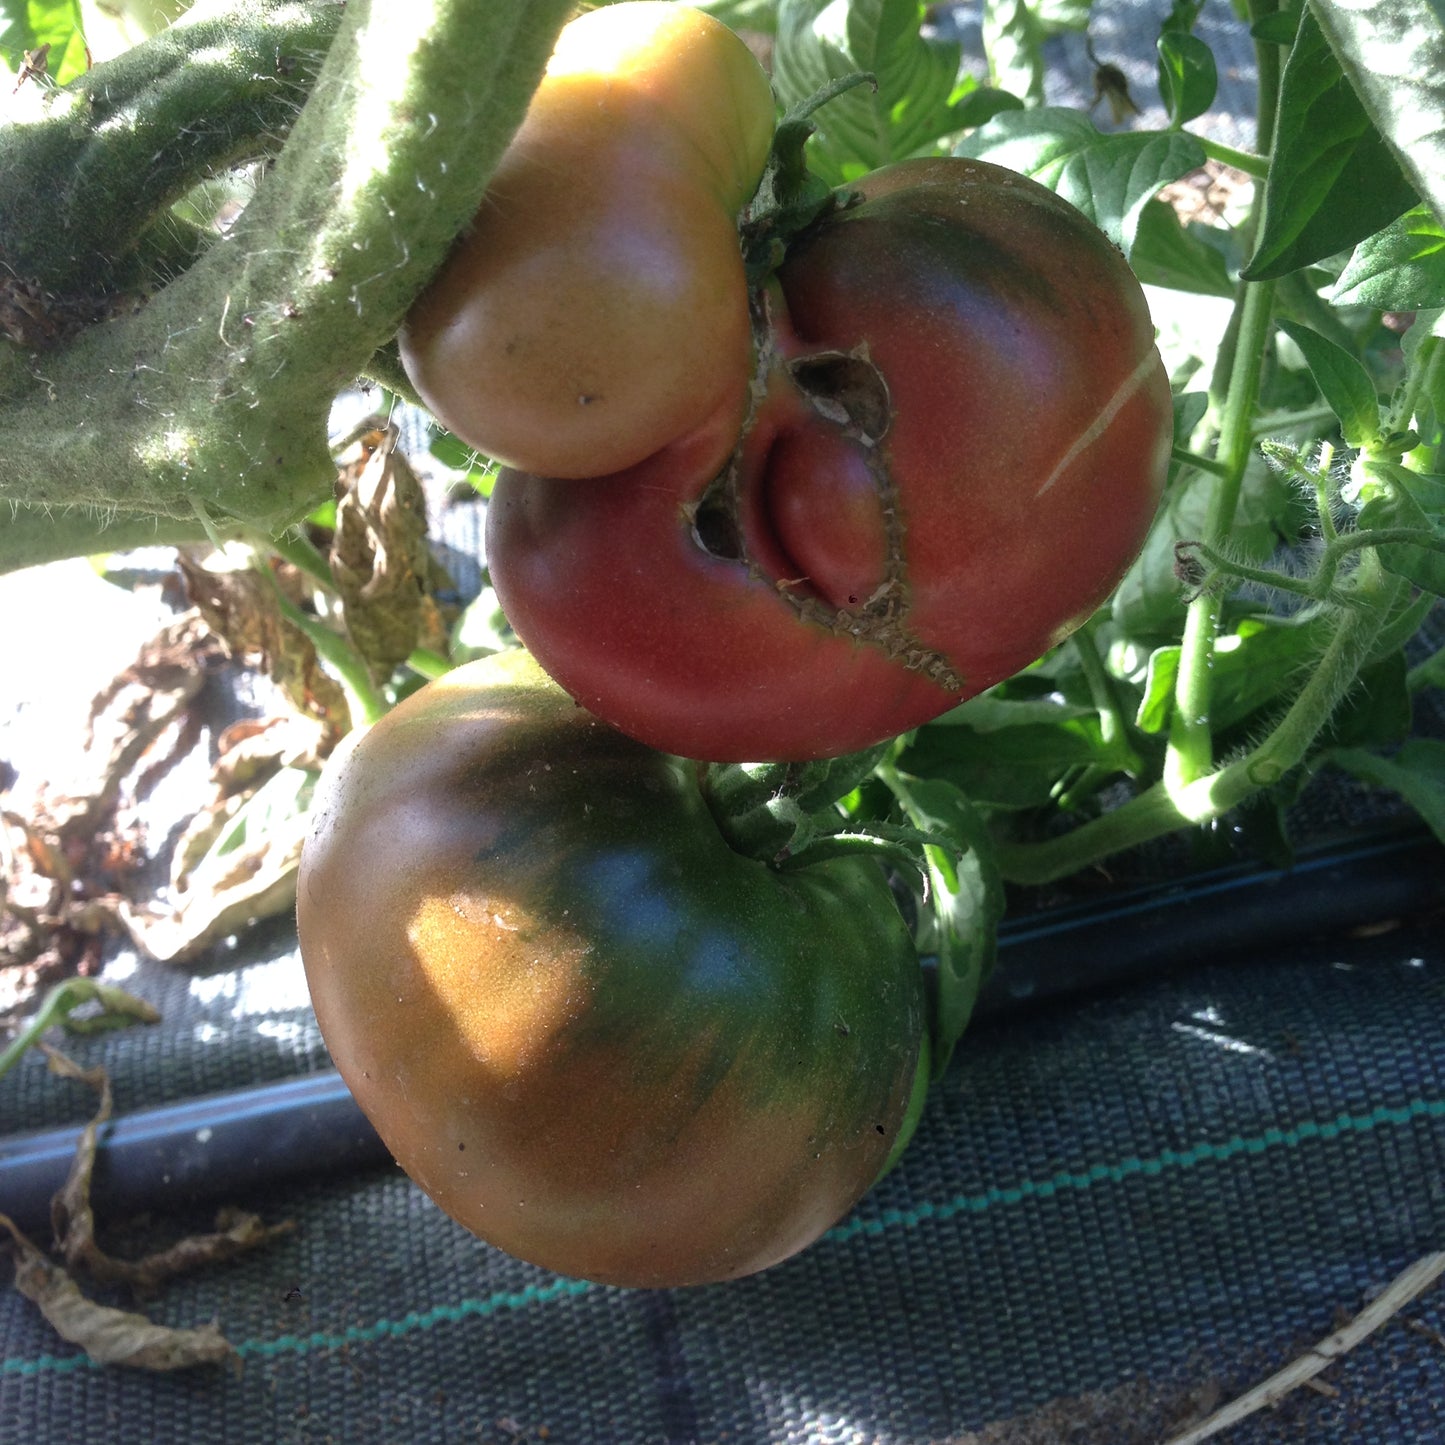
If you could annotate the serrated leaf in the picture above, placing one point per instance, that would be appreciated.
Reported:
(965, 904)
(1416, 773)
(1188, 78)
(1343, 381)
(1110, 178)
(1423, 566)
(921, 95)
(1166, 254)
(1332, 178)
(1401, 268)
(1394, 54)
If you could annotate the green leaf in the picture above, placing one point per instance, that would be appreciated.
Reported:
(1156, 707)
(56, 23)
(1276, 29)
(759, 15)
(1015, 767)
(1014, 32)
(1166, 254)
(1110, 178)
(922, 94)
(1376, 714)
(1332, 179)
(1424, 349)
(1343, 381)
(1401, 268)
(1424, 566)
(1148, 604)
(965, 904)
(1394, 54)
(1416, 773)
(1188, 79)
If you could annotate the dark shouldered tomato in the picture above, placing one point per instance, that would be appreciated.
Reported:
(959, 433)
(593, 1033)
(597, 307)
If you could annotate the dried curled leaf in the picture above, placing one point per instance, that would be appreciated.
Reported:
(241, 607)
(114, 1336)
(110, 1336)
(380, 560)
(245, 871)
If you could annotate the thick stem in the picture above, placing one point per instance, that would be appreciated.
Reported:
(219, 391)
(81, 182)
(1169, 806)
(1190, 753)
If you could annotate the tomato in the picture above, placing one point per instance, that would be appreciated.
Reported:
(597, 308)
(593, 1033)
(959, 434)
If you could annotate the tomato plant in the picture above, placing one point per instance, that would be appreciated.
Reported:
(596, 309)
(900, 523)
(594, 1033)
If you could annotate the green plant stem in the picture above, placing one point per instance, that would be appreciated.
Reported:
(1318, 587)
(1190, 751)
(1114, 723)
(220, 389)
(1246, 161)
(1426, 673)
(120, 143)
(299, 551)
(1168, 806)
(1186, 458)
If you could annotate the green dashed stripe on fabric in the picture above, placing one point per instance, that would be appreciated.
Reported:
(889, 1219)
(1164, 1161)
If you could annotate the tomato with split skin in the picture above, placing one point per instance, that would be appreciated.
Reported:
(958, 433)
(591, 1031)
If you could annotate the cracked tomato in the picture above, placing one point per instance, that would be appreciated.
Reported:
(958, 433)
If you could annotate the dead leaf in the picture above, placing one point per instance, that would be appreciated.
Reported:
(110, 1336)
(240, 606)
(380, 560)
(240, 866)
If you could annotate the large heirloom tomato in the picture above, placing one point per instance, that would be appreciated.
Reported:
(958, 434)
(597, 308)
(593, 1033)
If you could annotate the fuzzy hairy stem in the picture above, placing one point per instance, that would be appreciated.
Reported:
(82, 180)
(215, 397)
(1170, 805)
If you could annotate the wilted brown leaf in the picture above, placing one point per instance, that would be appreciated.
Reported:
(241, 606)
(109, 1336)
(380, 560)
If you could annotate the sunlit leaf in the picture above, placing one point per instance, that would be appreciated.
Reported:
(1110, 178)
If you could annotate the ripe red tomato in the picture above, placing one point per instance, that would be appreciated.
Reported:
(597, 308)
(593, 1033)
(958, 435)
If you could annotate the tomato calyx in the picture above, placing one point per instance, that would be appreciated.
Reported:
(792, 815)
(790, 197)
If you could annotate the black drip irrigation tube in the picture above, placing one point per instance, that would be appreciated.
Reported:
(235, 1144)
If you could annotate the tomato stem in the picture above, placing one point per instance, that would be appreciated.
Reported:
(1190, 750)
(1170, 805)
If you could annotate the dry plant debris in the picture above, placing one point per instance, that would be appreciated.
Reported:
(112, 1336)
